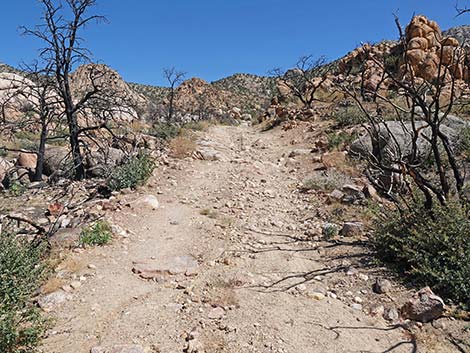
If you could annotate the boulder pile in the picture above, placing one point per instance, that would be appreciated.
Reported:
(427, 49)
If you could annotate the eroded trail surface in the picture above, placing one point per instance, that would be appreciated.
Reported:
(223, 265)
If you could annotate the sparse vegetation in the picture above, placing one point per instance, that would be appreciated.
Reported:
(98, 234)
(340, 139)
(165, 131)
(182, 146)
(209, 213)
(17, 189)
(463, 146)
(330, 231)
(135, 172)
(21, 271)
(430, 247)
(349, 116)
(325, 181)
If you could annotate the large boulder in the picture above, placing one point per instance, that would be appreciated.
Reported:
(27, 160)
(99, 163)
(57, 161)
(396, 136)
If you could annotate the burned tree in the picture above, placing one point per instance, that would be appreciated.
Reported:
(40, 112)
(174, 79)
(305, 79)
(63, 51)
(89, 101)
(411, 134)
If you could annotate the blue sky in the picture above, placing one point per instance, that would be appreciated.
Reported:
(212, 39)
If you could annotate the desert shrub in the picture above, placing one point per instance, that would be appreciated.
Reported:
(429, 247)
(209, 213)
(165, 131)
(200, 125)
(339, 140)
(463, 145)
(325, 181)
(135, 172)
(98, 234)
(349, 116)
(16, 188)
(21, 271)
(330, 231)
(182, 146)
(392, 62)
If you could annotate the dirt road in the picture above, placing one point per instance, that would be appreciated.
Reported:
(231, 267)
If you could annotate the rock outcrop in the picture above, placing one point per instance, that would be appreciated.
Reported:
(427, 49)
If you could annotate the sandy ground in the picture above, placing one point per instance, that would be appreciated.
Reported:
(259, 285)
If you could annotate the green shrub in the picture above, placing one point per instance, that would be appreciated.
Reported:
(133, 173)
(165, 131)
(349, 116)
(325, 181)
(17, 189)
(97, 234)
(463, 145)
(392, 62)
(429, 248)
(338, 140)
(21, 271)
(330, 231)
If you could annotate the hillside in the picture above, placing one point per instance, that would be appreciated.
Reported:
(461, 33)
(322, 209)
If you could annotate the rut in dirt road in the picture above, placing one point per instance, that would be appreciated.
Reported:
(227, 263)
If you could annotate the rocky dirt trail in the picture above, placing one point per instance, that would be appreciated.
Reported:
(222, 265)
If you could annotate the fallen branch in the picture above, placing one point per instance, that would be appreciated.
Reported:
(18, 218)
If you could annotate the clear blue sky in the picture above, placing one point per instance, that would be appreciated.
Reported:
(212, 39)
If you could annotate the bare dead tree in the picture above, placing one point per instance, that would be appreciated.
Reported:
(42, 111)
(304, 80)
(417, 134)
(461, 9)
(174, 79)
(62, 23)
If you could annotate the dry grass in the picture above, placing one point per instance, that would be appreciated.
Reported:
(71, 265)
(52, 285)
(341, 162)
(182, 146)
(209, 213)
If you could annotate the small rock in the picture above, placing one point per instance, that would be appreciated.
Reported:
(391, 314)
(316, 295)
(150, 201)
(378, 311)
(382, 286)
(371, 193)
(119, 349)
(358, 300)
(363, 277)
(439, 324)
(351, 271)
(351, 229)
(50, 301)
(337, 195)
(216, 313)
(425, 306)
(75, 284)
(356, 306)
